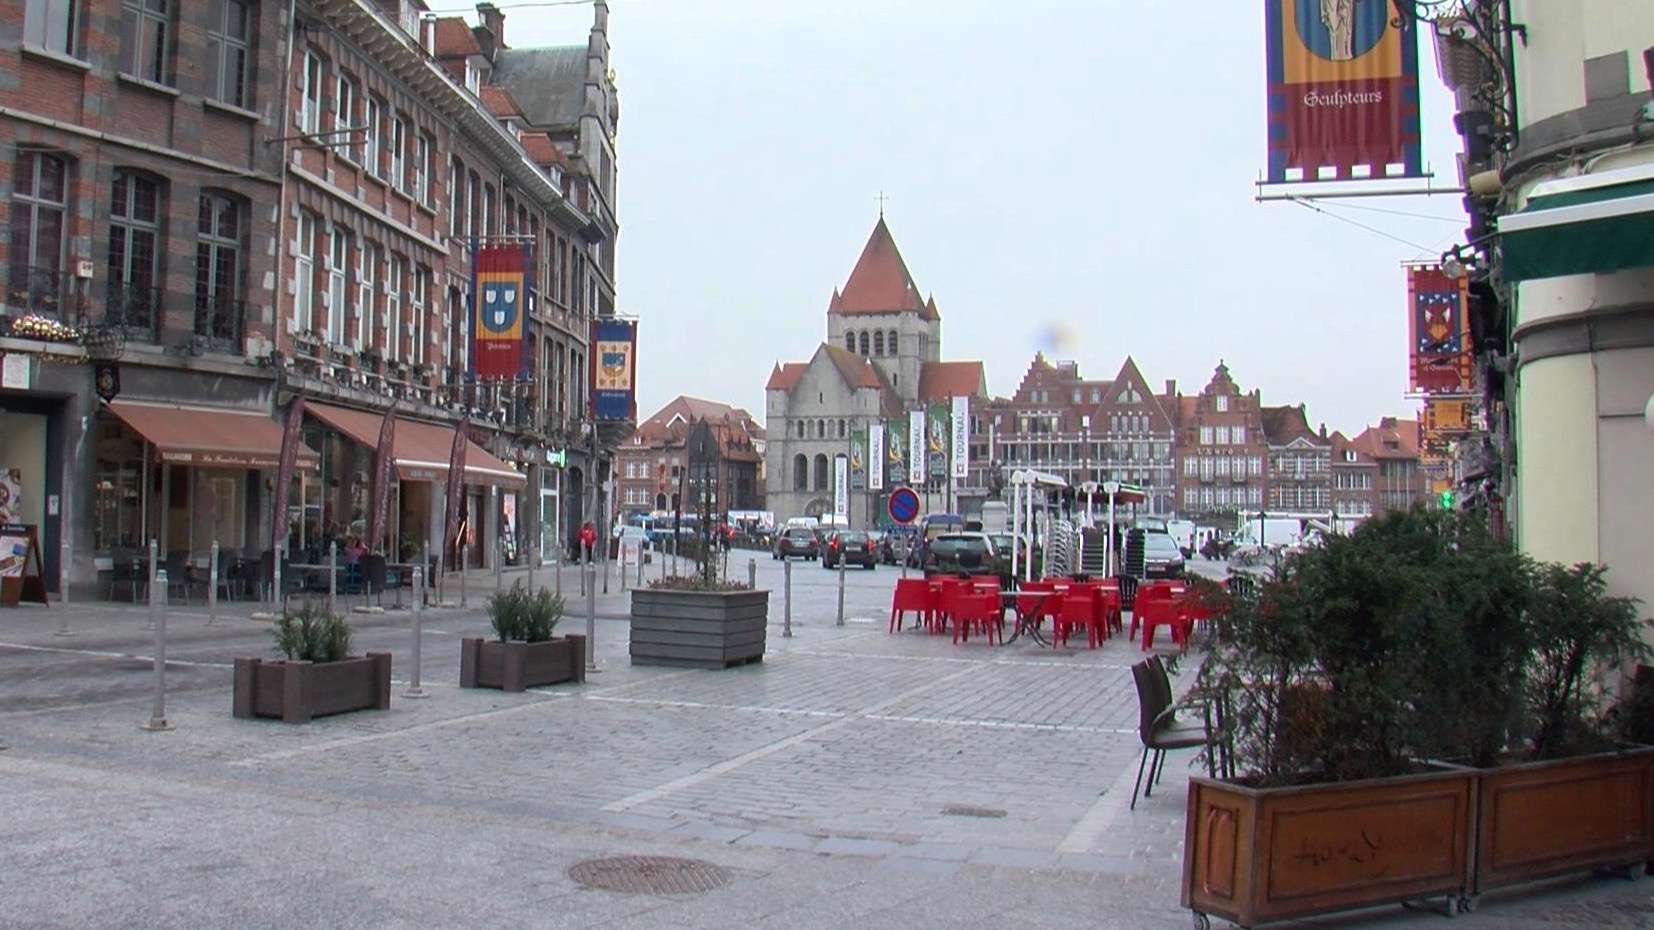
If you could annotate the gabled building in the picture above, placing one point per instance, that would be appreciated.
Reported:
(1354, 479)
(1393, 445)
(652, 470)
(1221, 449)
(1300, 462)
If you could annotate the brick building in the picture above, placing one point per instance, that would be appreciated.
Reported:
(652, 470)
(1393, 446)
(1300, 462)
(1222, 452)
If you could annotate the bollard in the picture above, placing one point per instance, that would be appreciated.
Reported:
(752, 574)
(840, 590)
(212, 586)
(787, 598)
(533, 554)
(464, 563)
(154, 568)
(499, 566)
(276, 558)
(559, 556)
(333, 579)
(425, 578)
(642, 556)
(588, 573)
(158, 620)
(63, 591)
(414, 689)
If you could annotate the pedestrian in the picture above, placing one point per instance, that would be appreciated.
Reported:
(588, 539)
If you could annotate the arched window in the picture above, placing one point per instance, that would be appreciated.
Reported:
(850, 342)
(801, 473)
(864, 346)
(890, 342)
(821, 473)
(841, 432)
(878, 343)
(660, 501)
(821, 429)
(218, 269)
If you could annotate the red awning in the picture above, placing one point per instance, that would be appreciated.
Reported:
(209, 437)
(422, 449)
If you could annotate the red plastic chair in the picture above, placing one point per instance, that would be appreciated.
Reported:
(1078, 610)
(1147, 594)
(978, 612)
(912, 594)
(1036, 609)
(1170, 613)
(949, 590)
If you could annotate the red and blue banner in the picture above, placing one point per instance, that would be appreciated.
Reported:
(1343, 92)
(499, 305)
(1441, 361)
(614, 370)
(384, 475)
(451, 528)
(292, 440)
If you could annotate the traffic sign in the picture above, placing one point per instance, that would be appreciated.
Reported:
(903, 505)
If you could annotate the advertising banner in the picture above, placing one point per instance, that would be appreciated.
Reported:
(498, 307)
(875, 457)
(858, 460)
(291, 440)
(916, 447)
(841, 486)
(451, 529)
(384, 473)
(936, 444)
(614, 369)
(1440, 332)
(1343, 91)
(895, 454)
(961, 438)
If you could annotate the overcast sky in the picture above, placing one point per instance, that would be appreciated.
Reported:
(1063, 175)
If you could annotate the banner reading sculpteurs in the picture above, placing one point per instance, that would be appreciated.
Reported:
(614, 367)
(497, 303)
(1343, 92)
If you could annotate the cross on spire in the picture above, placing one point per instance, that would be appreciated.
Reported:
(881, 199)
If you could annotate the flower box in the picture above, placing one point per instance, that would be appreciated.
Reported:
(515, 666)
(296, 692)
(698, 629)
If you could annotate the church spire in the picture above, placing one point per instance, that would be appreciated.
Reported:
(880, 282)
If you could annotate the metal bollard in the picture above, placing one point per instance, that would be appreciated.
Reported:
(212, 586)
(154, 569)
(752, 574)
(158, 620)
(276, 558)
(499, 566)
(559, 557)
(333, 579)
(642, 556)
(63, 591)
(464, 563)
(840, 590)
(414, 689)
(787, 598)
(533, 554)
(588, 573)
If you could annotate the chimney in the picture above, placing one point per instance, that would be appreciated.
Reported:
(1171, 387)
(494, 21)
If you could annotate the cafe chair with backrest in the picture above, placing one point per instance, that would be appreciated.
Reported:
(127, 572)
(978, 611)
(911, 595)
(1078, 611)
(1158, 726)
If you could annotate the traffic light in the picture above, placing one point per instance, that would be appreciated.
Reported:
(1447, 500)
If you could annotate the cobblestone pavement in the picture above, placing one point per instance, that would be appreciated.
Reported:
(853, 779)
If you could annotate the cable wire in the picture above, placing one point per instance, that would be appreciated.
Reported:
(1379, 232)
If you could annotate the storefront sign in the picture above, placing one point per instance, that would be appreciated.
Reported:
(14, 371)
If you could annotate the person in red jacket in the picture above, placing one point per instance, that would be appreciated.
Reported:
(588, 539)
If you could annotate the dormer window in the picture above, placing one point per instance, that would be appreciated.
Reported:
(473, 78)
(1222, 403)
(408, 17)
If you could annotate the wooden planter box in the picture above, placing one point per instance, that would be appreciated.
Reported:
(514, 666)
(698, 629)
(1258, 855)
(1539, 819)
(297, 691)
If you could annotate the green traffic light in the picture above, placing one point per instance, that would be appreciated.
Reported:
(1447, 500)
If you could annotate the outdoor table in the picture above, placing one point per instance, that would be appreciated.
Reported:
(1025, 621)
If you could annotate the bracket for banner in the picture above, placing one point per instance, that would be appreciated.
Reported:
(475, 242)
(1265, 195)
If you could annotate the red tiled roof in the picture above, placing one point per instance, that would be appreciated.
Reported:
(542, 151)
(939, 381)
(880, 282)
(1281, 425)
(454, 38)
(786, 377)
(499, 102)
(1392, 438)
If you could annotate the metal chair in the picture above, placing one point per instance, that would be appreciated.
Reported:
(127, 570)
(177, 565)
(1158, 726)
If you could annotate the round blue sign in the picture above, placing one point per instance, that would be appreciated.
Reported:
(903, 505)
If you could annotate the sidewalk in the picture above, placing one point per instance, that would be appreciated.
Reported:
(853, 779)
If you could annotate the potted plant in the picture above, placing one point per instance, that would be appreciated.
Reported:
(1323, 681)
(318, 676)
(691, 621)
(526, 654)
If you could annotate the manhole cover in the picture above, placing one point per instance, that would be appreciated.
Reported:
(650, 874)
(960, 810)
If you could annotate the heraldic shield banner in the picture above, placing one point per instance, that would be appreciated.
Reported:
(614, 369)
(1343, 92)
(498, 308)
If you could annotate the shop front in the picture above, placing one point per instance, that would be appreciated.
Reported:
(32, 430)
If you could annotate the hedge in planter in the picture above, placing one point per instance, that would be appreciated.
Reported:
(319, 676)
(526, 654)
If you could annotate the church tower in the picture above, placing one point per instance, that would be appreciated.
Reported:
(880, 316)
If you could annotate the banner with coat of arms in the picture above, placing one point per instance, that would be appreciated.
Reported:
(936, 443)
(858, 460)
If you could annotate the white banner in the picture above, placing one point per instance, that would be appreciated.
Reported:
(875, 456)
(961, 438)
(916, 447)
(841, 486)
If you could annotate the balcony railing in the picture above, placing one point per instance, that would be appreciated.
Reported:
(134, 310)
(218, 321)
(41, 291)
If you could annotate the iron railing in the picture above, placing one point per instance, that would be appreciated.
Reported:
(134, 310)
(218, 321)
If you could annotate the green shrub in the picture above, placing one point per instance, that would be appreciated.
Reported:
(695, 583)
(1581, 637)
(519, 615)
(312, 634)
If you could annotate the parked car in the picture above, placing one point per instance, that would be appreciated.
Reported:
(1161, 556)
(796, 542)
(961, 554)
(853, 546)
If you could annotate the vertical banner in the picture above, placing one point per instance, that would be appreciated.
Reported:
(841, 487)
(858, 460)
(936, 444)
(895, 454)
(961, 438)
(456, 486)
(1343, 91)
(916, 447)
(875, 456)
(291, 439)
(614, 367)
(497, 301)
(1440, 331)
(384, 473)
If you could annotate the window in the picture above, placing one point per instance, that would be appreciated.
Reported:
(1239, 435)
(866, 346)
(393, 307)
(310, 104)
(304, 274)
(367, 262)
(146, 38)
(801, 473)
(425, 168)
(1190, 467)
(338, 260)
(218, 269)
(399, 152)
(134, 260)
(1223, 436)
(418, 295)
(228, 23)
(40, 184)
(1205, 435)
(890, 343)
(372, 135)
(1221, 402)
(821, 473)
(457, 204)
(345, 135)
(878, 343)
(52, 25)
(849, 342)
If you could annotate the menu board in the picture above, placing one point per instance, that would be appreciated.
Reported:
(22, 573)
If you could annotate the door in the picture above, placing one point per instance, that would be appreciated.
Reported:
(550, 549)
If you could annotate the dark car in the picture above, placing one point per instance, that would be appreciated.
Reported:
(1161, 556)
(853, 546)
(796, 542)
(961, 554)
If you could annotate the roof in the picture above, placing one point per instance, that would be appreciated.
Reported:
(454, 38)
(1392, 438)
(857, 371)
(499, 102)
(670, 423)
(786, 377)
(880, 282)
(1342, 444)
(549, 84)
(1281, 425)
(942, 380)
(542, 151)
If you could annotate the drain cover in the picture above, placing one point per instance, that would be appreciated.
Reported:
(650, 874)
(961, 810)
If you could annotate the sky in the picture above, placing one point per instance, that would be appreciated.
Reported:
(1066, 176)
